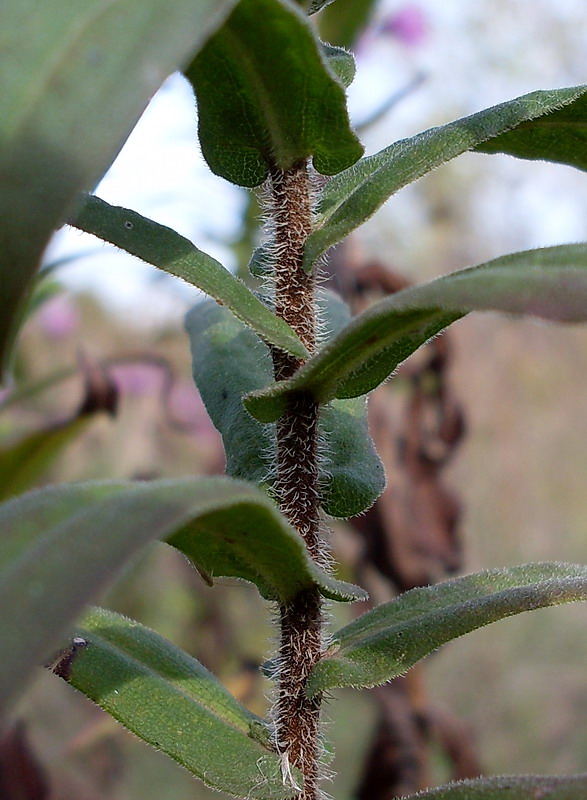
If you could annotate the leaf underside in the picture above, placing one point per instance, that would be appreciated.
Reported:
(387, 641)
(167, 250)
(511, 787)
(549, 125)
(550, 283)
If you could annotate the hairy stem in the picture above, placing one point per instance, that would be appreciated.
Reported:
(297, 718)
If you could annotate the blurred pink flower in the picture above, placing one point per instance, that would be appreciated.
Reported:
(58, 317)
(409, 25)
(138, 378)
(188, 410)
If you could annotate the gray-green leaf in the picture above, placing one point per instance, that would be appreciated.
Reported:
(75, 78)
(266, 96)
(385, 642)
(511, 787)
(173, 703)
(548, 125)
(229, 360)
(550, 283)
(169, 251)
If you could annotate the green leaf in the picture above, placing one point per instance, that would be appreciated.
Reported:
(169, 251)
(341, 63)
(63, 544)
(75, 78)
(352, 475)
(318, 5)
(229, 360)
(343, 23)
(267, 98)
(511, 787)
(559, 135)
(385, 642)
(23, 462)
(538, 127)
(170, 701)
(550, 283)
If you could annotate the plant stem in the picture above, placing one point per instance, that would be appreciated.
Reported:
(297, 718)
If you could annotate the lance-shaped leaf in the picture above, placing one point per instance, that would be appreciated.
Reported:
(62, 544)
(170, 701)
(23, 462)
(266, 96)
(75, 78)
(229, 360)
(511, 787)
(385, 642)
(549, 125)
(169, 251)
(550, 283)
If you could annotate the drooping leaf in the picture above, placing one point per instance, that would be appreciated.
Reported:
(385, 642)
(550, 283)
(229, 360)
(63, 544)
(75, 78)
(266, 96)
(511, 787)
(170, 701)
(169, 251)
(548, 125)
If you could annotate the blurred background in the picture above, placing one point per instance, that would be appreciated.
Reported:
(484, 434)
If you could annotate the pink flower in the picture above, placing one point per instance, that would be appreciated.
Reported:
(408, 25)
(58, 317)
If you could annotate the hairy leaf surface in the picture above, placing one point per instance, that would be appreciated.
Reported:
(63, 544)
(549, 125)
(511, 787)
(266, 96)
(75, 78)
(170, 701)
(385, 642)
(229, 360)
(550, 283)
(169, 251)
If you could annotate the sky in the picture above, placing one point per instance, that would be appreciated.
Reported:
(471, 55)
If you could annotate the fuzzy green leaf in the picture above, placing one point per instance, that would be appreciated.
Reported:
(511, 787)
(229, 360)
(75, 78)
(559, 135)
(63, 544)
(266, 96)
(387, 641)
(341, 63)
(169, 251)
(550, 283)
(170, 701)
(548, 125)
